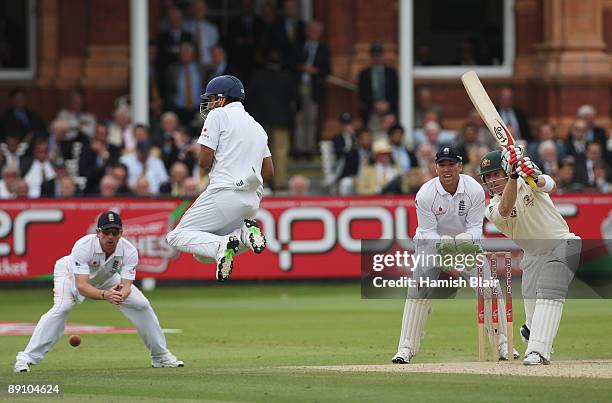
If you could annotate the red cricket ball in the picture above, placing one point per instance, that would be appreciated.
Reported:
(75, 340)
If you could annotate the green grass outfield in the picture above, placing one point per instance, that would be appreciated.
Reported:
(235, 336)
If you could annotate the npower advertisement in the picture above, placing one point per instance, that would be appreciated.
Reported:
(307, 237)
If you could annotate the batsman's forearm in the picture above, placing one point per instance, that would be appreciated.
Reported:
(508, 198)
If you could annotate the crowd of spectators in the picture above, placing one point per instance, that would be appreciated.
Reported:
(283, 62)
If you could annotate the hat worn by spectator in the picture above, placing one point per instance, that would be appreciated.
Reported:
(448, 154)
(346, 118)
(108, 220)
(381, 146)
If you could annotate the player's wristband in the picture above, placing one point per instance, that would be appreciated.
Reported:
(514, 175)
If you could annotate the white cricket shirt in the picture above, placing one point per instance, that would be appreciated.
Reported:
(87, 257)
(440, 213)
(240, 145)
(534, 217)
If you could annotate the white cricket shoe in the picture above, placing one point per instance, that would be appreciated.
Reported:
(503, 352)
(252, 236)
(225, 257)
(167, 362)
(402, 357)
(21, 366)
(535, 358)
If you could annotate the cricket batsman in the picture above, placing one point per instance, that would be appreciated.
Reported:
(551, 252)
(234, 150)
(449, 206)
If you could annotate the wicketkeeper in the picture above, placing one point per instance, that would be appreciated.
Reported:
(551, 252)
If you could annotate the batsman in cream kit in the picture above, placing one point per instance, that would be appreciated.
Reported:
(450, 212)
(551, 252)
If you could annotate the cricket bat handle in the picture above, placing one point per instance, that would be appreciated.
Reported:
(531, 182)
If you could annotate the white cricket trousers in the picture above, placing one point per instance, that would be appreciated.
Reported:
(210, 219)
(50, 327)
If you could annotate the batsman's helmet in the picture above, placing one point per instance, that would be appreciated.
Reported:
(222, 87)
(491, 162)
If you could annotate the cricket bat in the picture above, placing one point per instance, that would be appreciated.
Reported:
(488, 113)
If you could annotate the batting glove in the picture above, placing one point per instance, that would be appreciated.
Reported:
(510, 156)
(526, 167)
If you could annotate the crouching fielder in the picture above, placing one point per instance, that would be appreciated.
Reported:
(450, 205)
(551, 252)
(234, 150)
(100, 266)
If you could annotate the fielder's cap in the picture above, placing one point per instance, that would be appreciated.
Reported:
(109, 219)
(376, 48)
(346, 118)
(447, 153)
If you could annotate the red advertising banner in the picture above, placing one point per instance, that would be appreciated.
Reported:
(307, 237)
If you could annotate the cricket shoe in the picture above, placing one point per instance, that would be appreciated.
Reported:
(169, 361)
(402, 357)
(503, 352)
(252, 237)
(535, 358)
(21, 366)
(225, 258)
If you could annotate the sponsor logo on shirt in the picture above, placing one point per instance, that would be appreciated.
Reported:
(439, 211)
(529, 200)
(116, 268)
(513, 212)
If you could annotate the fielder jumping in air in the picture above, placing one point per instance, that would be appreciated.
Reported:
(450, 205)
(100, 266)
(551, 252)
(220, 223)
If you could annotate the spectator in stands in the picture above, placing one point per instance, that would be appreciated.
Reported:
(190, 188)
(575, 146)
(381, 125)
(246, 31)
(67, 188)
(313, 68)
(402, 157)
(545, 132)
(170, 40)
(299, 186)
(594, 132)
(205, 33)
(356, 159)
(430, 135)
(513, 116)
(272, 102)
(548, 158)
(374, 178)
(21, 189)
(38, 170)
(185, 81)
(345, 140)
(484, 136)
(426, 154)
(96, 158)
(12, 149)
(601, 173)
(593, 157)
(77, 118)
(162, 137)
(119, 171)
(287, 35)
(142, 163)
(20, 120)
(378, 86)
(468, 144)
(120, 130)
(219, 65)
(182, 149)
(566, 179)
(412, 182)
(142, 187)
(9, 175)
(426, 104)
(61, 145)
(178, 174)
(108, 186)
